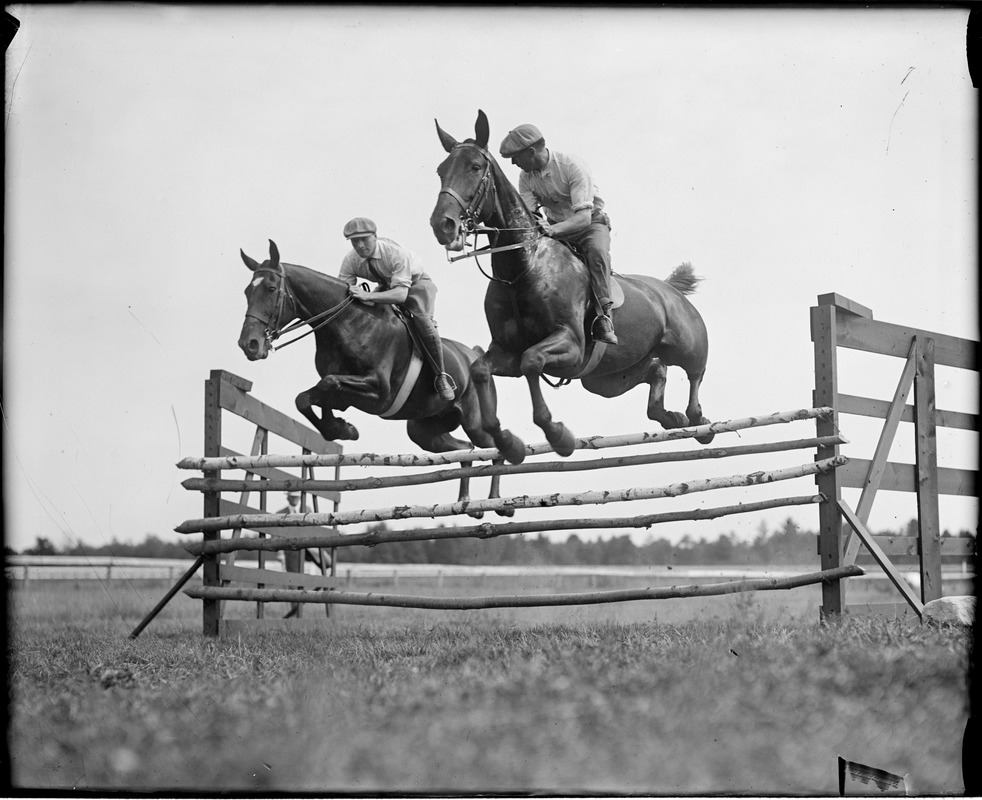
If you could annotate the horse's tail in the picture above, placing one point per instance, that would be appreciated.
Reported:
(684, 279)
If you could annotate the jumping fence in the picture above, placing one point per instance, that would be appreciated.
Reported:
(838, 322)
(319, 532)
(844, 538)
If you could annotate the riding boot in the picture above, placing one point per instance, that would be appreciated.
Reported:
(603, 326)
(426, 328)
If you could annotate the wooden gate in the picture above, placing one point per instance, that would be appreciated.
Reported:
(838, 322)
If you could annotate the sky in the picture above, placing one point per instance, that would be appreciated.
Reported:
(784, 153)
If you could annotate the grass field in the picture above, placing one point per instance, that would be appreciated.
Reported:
(744, 694)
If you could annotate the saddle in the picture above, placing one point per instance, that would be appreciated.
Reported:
(596, 349)
(616, 289)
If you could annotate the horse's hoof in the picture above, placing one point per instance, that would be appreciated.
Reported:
(511, 447)
(347, 431)
(681, 420)
(340, 430)
(475, 514)
(562, 440)
(505, 512)
(708, 438)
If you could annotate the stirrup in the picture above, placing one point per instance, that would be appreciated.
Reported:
(606, 330)
(444, 384)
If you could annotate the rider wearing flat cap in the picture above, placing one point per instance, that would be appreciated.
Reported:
(563, 186)
(398, 272)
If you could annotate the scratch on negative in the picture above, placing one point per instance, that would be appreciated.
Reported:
(890, 130)
(177, 425)
(130, 310)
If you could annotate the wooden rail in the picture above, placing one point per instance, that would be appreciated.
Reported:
(491, 453)
(488, 530)
(213, 524)
(489, 470)
(337, 597)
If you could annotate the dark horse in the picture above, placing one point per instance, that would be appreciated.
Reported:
(538, 311)
(365, 358)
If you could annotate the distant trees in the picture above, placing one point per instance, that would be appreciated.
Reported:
(151, 547)
(42, 547)
(786, 545)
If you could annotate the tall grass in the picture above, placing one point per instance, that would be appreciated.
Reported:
(737, 700)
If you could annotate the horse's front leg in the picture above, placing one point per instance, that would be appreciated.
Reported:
(433, 434)
(336, 392)
(496, 362)
(559, 351)
(495, 492)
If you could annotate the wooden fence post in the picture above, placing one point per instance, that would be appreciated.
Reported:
(823, 334)
(925, 432)
(211, 610)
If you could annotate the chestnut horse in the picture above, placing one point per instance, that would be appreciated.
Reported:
(365, 359)
(539, 310)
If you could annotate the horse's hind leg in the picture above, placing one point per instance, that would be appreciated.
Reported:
(431, 434)
(656, 379)
(495, 492)
(694, 409)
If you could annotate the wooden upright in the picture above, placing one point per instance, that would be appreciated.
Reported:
(225, 392)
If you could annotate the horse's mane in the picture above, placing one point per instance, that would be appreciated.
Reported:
(314, 273)
(504, 180)
(326, 279)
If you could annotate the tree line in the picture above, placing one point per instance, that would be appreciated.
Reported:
(787, 544)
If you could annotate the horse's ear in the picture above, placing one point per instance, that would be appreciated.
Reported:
(251, 263)
(448, 142)
(274, 253)
(481, 129)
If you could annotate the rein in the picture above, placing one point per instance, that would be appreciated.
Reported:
(274, 331)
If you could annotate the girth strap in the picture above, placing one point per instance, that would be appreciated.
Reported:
(415, 366)
(408, 384)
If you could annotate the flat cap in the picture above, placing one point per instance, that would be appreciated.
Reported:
(359, 226)
(518, 139)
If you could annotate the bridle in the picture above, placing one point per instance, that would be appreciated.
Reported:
(472, 212)
(272, 329)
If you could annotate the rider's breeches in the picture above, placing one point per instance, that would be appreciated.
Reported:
(595, 244)
(420, 303)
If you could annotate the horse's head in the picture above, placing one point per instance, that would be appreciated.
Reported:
(466, 186)
(269, 304)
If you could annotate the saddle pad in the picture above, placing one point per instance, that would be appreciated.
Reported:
(616, 290)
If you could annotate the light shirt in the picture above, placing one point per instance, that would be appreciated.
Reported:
(397, 266)
(562, 187)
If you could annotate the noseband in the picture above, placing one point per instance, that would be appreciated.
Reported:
(471, 213)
